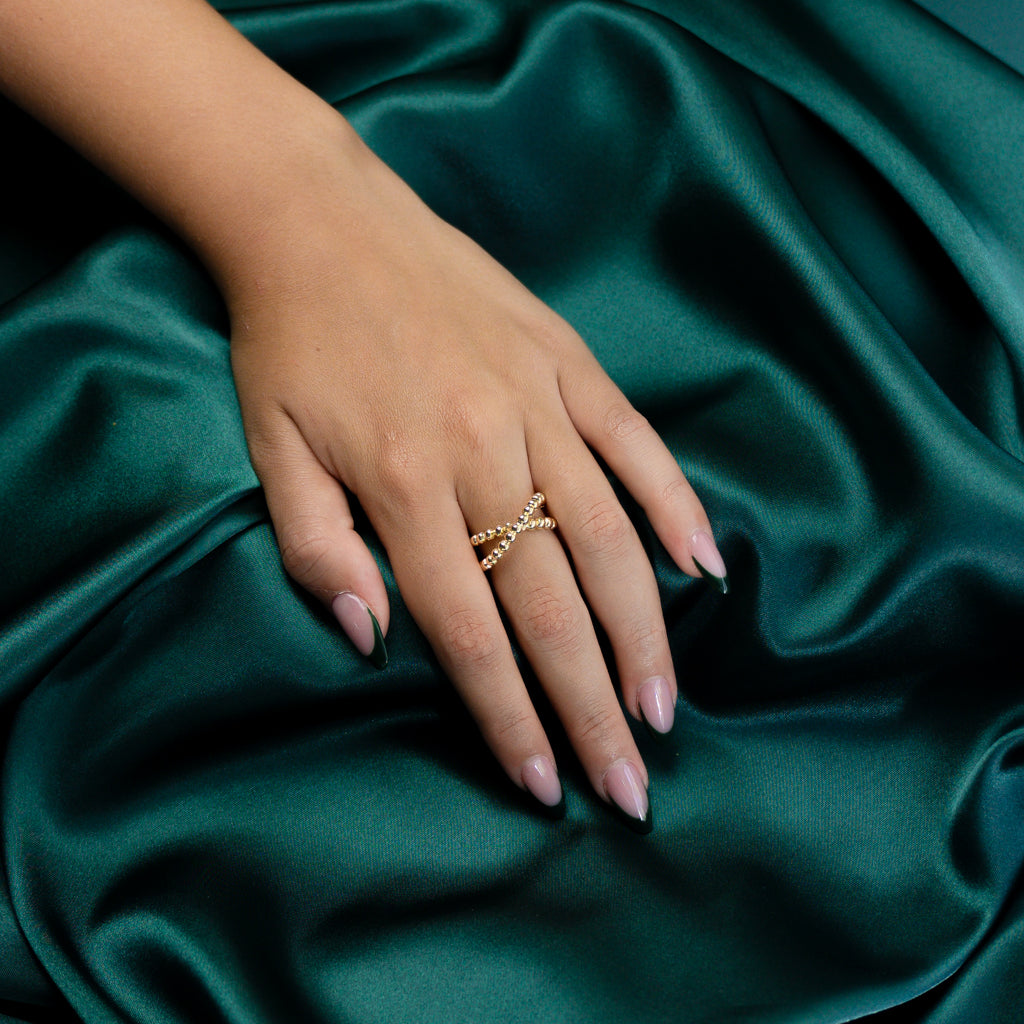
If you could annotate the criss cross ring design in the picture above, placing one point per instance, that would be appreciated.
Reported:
(507, 532)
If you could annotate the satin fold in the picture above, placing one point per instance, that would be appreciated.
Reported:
(793, 233)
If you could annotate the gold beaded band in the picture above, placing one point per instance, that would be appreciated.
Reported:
(508, 532)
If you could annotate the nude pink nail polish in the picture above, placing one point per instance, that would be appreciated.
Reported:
(361, 627)
(625, 788)
(656, 705)
(708, 559)
(541, 779)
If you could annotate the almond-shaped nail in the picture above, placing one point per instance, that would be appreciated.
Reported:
(708, 560)
(541, 779)
(656, 704)
(361, 627)
(625, 788)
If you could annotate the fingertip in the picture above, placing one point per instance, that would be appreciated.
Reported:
(625, 789)
(379, 655)
(357, 567)
(708, 560)
(320, 547)
(361, 626)
(656, 704)
(540, 778)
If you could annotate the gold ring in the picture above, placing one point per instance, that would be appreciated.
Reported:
(508, 532)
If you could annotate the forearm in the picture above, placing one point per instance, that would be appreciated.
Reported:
(180, 109)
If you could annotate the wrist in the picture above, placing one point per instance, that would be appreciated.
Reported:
(327, 209)
(184, 112)
(272, 197)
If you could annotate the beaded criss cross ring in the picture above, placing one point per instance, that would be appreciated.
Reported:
(507, 532)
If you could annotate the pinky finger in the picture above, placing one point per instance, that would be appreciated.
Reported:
(320, 547)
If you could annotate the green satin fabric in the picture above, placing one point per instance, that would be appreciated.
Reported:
(793, 232)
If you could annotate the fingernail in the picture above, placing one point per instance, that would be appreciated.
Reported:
(656, 704)
(625, 788)
(361, 627)
(706, 557)
(541, 779)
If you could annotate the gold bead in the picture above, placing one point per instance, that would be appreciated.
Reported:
(507, 532)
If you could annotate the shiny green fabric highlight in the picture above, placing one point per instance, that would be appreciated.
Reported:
(794, 234)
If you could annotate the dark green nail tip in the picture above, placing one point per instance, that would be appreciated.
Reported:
(721, 583)
(641, 827)
(378, 657)
(658, 737)
(555, 813)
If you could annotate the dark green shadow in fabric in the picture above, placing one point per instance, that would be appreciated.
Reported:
(794, 234)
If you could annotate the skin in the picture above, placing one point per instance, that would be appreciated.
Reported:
(379, 351)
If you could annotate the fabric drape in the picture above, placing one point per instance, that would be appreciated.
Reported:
(793, 233)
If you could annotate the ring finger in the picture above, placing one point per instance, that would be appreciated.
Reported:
(536, 586)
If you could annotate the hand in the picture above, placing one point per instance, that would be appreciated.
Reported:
(376, 347)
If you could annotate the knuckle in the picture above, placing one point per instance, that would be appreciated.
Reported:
(622, 423)
(305, 551)
(646, 640)
(676, 492)
(466, 420)
(551, 333)
(400, 465)
(596, 724)
(468, 640)
(547, 619)
(605, 525)
(511, 724)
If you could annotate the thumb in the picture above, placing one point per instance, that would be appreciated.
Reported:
(319, 546)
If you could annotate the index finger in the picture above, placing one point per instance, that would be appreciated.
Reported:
(635, 453)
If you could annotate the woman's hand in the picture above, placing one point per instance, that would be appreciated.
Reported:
(377, 347)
